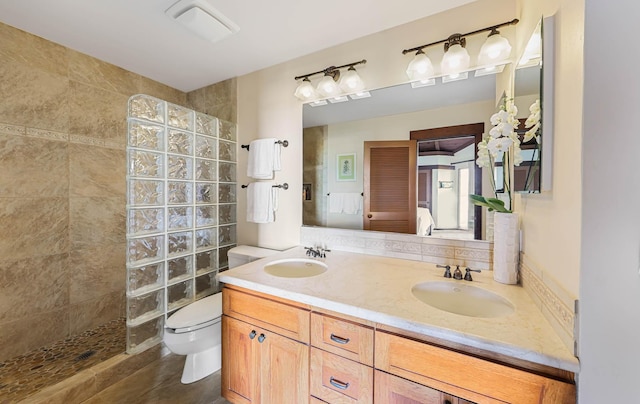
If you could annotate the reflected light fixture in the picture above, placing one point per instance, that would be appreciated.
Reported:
(456, 60)
(331, 86)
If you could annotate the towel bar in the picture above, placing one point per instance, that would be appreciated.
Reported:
(284, 186)
(284, 143)
(361, 193)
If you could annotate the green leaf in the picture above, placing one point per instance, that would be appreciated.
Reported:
(491, 203)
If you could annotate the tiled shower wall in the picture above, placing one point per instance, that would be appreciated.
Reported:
(63, 187)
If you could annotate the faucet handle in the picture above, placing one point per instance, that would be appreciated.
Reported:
(447, 271)
(467, 276)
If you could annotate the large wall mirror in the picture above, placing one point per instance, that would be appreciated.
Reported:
(446, 120)
(334, 138)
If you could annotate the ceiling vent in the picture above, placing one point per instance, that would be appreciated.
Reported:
(202, 19)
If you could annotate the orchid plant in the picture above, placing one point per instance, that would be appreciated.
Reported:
(495, 147)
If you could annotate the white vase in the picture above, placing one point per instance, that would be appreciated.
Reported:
(506, 247)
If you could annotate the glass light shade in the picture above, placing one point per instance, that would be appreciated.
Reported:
(351, 82)
(494, 50)
(305, 91)
(327, 87)
(420, 67)
(455, 60)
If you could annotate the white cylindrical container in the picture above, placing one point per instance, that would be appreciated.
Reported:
(506, 247)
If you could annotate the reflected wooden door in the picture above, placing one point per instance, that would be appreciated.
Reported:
(390, 198)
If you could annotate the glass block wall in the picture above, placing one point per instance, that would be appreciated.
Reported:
(181, 211)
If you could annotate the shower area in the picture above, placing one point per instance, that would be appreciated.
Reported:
(66, 284)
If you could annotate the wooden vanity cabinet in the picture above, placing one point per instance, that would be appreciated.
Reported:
(467, 377)
(341, 360)
(265, 353)
(394, 389)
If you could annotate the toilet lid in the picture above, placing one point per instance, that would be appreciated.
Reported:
(199, 312)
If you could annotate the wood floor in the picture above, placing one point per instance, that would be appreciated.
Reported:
(159, 382)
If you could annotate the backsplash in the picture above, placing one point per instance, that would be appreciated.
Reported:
(556, 304)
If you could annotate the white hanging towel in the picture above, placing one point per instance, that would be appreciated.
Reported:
(264, 158)
(262, 202)
(352, 203)
(349, 203)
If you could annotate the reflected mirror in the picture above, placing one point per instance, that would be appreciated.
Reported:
(527, 92)
(438, 117)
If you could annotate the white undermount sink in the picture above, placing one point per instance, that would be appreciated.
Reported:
(295, 268)
(463, 299)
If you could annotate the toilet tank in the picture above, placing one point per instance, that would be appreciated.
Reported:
(244, 254)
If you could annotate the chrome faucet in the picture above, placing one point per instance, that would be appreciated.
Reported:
(467, 276)
(457, 273)
(447, 270)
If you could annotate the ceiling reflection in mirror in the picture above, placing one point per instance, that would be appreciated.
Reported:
(447, 164)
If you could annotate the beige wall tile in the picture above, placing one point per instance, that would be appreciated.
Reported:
(23, 282)
(96, 221)
(33, 97)
(89, 70)
(97, 113)
(33, 167)
(96, 171)
(20, 336)
(92, 313)
(97, 271)
(219, 100)
(32, 51)
(34, 227)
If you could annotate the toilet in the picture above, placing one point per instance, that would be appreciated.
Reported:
(196, 329)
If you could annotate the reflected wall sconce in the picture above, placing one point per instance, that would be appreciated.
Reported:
(456, 60)
(332, 86)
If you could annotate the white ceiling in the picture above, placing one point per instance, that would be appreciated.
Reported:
(137, 35)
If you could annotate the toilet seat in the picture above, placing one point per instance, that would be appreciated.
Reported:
(197, 315)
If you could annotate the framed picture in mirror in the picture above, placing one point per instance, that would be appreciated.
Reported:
(346, 169)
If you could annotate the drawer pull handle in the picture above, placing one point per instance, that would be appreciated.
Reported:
(261, 338)
(252, 334)
(337, 383)
(339, 340)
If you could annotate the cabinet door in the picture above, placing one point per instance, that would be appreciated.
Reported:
(239, 361)
(284, 369)
(395, 390)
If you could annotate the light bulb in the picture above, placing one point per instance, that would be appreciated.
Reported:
(495, 49)
(351, 81)
(455, 60)
(327, 87)
(305, 90)
(420, 68)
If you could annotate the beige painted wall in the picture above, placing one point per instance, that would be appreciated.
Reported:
(62, 186)
(267, 107)
(558, 212)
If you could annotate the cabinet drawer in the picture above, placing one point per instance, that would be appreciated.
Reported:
(341, 337)
(338, 380)
(286, 320)
(449, 371)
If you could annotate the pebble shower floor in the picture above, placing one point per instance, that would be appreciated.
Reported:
(27, 374)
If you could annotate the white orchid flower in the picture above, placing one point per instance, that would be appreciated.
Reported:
(499, 145)
(517, 155)
(528, 135)
(535, 107)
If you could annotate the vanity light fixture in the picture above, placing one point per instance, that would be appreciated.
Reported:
(456, 60)
(494, 50)
(331, 86)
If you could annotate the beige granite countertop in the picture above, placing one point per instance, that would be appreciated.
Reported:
(378, 289)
